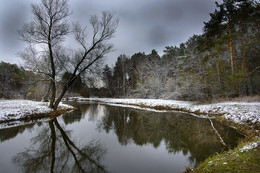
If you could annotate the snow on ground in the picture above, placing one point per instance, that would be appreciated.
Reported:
(239, 112)
(17, 109)
(250, 146)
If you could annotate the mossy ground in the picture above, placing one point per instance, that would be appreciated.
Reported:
(232, 161)
(235, 160)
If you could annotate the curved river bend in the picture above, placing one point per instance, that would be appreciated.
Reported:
(102, 138)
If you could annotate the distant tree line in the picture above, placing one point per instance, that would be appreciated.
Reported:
(222, 62)
(11, 80)
(16, 82)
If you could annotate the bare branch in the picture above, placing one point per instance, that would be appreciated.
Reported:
(257, 68)
(49, 28)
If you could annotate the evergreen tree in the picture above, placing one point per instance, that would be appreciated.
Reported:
(107, 77)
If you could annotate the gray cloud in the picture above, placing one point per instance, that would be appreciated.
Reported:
(12, 16)
(144, 25)
(157, 35)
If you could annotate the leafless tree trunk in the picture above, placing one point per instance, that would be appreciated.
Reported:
(47, 95)
(49, 28)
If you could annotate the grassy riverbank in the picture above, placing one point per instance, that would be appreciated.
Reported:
(244, 158)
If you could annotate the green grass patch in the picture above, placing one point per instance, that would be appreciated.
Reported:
(235, 160)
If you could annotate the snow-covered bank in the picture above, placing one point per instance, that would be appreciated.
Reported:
(239, 112)
(11, 110)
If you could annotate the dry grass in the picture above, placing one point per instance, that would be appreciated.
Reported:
(247, 99)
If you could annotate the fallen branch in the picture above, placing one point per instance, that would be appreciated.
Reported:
(221, 140)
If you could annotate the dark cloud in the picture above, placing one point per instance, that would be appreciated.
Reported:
(176, 16)
(144, 25)
(157, 35)
(11, 23)
(12, 15)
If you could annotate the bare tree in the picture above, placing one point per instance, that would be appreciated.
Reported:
(49, 28)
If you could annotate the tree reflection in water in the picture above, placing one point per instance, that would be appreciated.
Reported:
(180, 132)
(52, 150)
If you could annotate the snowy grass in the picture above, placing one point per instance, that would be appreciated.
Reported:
(244, 158)
(250, 146)
(238, 112)
(12, 110)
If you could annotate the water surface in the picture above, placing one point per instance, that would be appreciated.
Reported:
(102, 138)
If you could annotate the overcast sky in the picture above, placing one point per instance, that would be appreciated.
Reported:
(143, 24)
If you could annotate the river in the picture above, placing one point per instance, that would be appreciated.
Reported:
(103, 138)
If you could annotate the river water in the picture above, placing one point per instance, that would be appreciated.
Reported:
(102, 138)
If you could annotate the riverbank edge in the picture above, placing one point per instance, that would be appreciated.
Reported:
(36, 116)
(26, 117)
(220, 162)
